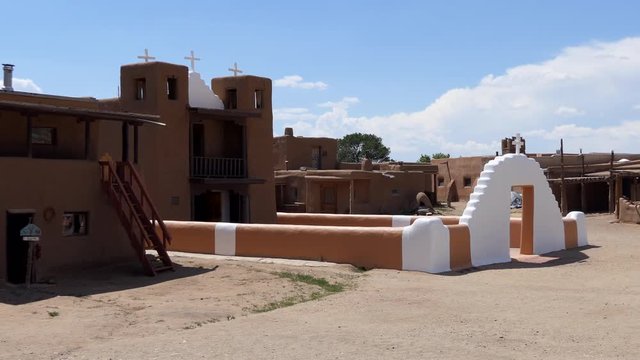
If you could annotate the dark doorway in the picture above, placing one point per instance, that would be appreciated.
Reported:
(17, 249)
(197, 141)
(237, 204)
(208, 206)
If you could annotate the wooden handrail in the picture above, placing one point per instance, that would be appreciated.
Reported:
(113, 175)
(155, 216)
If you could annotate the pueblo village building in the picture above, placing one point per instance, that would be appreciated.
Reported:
(93, 174)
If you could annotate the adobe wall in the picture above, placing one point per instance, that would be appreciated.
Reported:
(297, 151)
(458, 169)
(426, 245)
(64, 185)
(629, 212)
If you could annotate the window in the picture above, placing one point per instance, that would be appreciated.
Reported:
(141, 88)
(395, 192)
(232, 99)
(440, 181)
(43, 135)
(75, 223)
(466, 181)
(172, 88)
(257, 99)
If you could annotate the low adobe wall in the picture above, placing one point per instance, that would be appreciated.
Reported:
(428, 244)
(629, 212)
(355, 220)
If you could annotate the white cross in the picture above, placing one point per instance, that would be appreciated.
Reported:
(193, 60)
(518, 143)
(146, 56)
(235, 69)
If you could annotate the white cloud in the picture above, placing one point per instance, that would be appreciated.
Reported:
(296, 82)
(26, 85)
(567, 111)
(599, 80)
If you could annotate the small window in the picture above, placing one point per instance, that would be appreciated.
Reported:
(466, 181)
(257, 99)
(172, 88)
(75, 223)
(395, 192)
(232, 99)
(440, 181)
(43, 135)
(141, 88)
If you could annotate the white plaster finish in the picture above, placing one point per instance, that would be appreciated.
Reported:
(487, 212)
(400, 220)
(581, 223)
(200, 95)
(225, 239)
(425, 246)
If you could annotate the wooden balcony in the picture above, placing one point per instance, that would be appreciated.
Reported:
(205, 167)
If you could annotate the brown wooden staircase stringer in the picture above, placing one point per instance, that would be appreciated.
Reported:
(137, 213)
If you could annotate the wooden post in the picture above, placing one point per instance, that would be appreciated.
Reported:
(135, 144)
(87, 138)
(563, 193)
(618, 194)
(27, 279)
(351, 196)
(125, 141)
(612, 196)
(29, 141)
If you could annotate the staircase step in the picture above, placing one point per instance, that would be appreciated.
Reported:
(163, 268)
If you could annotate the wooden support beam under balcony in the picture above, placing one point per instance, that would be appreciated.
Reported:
(227, 115)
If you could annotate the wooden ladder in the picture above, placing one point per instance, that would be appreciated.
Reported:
(137, 213)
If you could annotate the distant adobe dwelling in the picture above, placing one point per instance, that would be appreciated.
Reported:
(309, 179)
(592, 182)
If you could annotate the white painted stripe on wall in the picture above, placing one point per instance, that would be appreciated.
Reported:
(225, 239)
(425, 246)
(400, 220)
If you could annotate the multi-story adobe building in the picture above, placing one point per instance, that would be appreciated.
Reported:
(199, 157)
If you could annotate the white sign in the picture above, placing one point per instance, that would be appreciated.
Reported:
(31, 233)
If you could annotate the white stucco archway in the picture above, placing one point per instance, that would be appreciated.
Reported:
(487, 212)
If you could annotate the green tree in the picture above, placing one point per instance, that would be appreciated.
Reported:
(440, 156)
(356, 147)
(424, 158)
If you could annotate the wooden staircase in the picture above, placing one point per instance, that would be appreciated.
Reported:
(137, 214)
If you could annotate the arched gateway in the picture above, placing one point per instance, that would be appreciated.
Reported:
(487, 213)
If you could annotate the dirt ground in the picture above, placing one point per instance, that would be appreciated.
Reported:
(582, 303)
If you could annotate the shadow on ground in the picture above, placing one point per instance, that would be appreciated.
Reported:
(95, 281)
(556, 258)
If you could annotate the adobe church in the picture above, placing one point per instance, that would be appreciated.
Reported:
(94, 174)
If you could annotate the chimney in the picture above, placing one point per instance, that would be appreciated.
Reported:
(8, 77)
(288, 131)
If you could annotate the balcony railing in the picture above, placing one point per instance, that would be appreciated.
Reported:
(205, 167)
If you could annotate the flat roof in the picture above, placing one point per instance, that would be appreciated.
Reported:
(94, 114)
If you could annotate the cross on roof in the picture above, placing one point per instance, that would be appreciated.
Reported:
(235, 69)
(193, 60)
(146, 56)
(518, 143)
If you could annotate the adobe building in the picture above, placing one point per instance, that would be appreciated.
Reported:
(310, 179)
(86, 171)
(458, 176)
(296, 152)
(592, 182)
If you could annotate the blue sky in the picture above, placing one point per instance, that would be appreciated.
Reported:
(426, 76)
